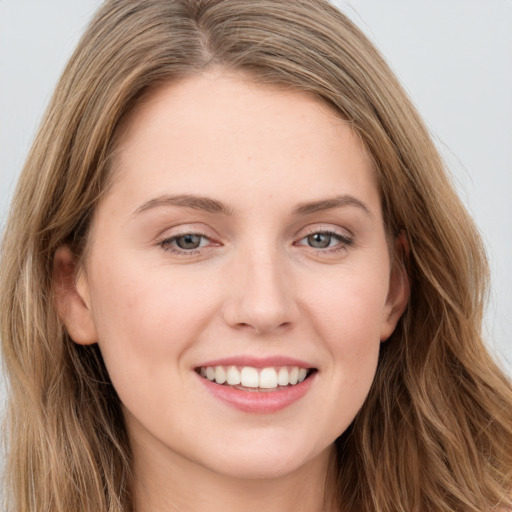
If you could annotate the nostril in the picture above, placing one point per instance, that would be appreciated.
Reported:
(270, 327)
(261, 306)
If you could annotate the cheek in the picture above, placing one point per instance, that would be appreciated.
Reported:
(349, 309)
(147, 322)
(145, 319)
(348, 321)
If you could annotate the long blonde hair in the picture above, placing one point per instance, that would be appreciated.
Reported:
(435, 433)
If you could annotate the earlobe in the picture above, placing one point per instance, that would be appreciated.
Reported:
(71, 298)
(399, 287)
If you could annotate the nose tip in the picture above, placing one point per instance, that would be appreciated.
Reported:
(261, 299)
(261, 320)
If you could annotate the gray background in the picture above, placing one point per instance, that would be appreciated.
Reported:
(453, 56)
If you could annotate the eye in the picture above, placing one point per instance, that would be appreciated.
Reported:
(189, 241)
(326, 240)
(185, 243)
(321, 240)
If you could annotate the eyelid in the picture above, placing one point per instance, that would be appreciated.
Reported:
(167, 244)
(192, 228)
(339, 231)
(165, 240)
(344, 236)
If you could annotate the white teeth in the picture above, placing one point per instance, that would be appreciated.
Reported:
(268, 378)
(220, 375)
(282, 377)
(233, 376)
(249, 377)
(265, 378)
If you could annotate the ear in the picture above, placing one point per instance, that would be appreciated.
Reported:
(399, 287)
(72, 298)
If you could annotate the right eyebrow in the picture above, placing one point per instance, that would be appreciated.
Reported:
(201, 203)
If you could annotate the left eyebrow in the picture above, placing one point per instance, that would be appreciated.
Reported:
(331, 203)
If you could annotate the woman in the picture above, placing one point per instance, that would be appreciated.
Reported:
(236, 275)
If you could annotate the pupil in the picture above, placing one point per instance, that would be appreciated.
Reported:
(319, 240)
(188, 241)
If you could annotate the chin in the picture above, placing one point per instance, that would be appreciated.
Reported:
(260, 463)
(257, 469)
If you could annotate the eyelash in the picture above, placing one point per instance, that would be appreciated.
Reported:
(167, 246)
(345, 242)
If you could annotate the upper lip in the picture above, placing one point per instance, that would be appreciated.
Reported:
(257, 362)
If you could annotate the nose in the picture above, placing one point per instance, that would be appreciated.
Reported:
(261, 295)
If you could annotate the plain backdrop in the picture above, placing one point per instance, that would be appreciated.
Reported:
(454, 57)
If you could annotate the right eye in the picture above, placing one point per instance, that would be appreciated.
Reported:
(186, 243)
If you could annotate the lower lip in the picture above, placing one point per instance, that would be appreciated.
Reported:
(260, 402)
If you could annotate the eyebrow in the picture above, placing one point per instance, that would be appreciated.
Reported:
(210, 205)
(205, 204)
(331, 203)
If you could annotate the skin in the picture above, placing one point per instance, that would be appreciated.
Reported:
(254, 287)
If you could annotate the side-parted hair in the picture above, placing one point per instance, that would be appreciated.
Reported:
(435, 433)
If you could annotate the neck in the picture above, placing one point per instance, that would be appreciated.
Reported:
(167, 482)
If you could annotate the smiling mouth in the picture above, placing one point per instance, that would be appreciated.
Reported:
(248, 378)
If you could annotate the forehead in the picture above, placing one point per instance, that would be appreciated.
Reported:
(197, 133)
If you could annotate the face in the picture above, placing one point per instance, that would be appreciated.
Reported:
(237, 277)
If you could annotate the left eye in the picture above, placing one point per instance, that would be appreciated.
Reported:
(324, 240)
